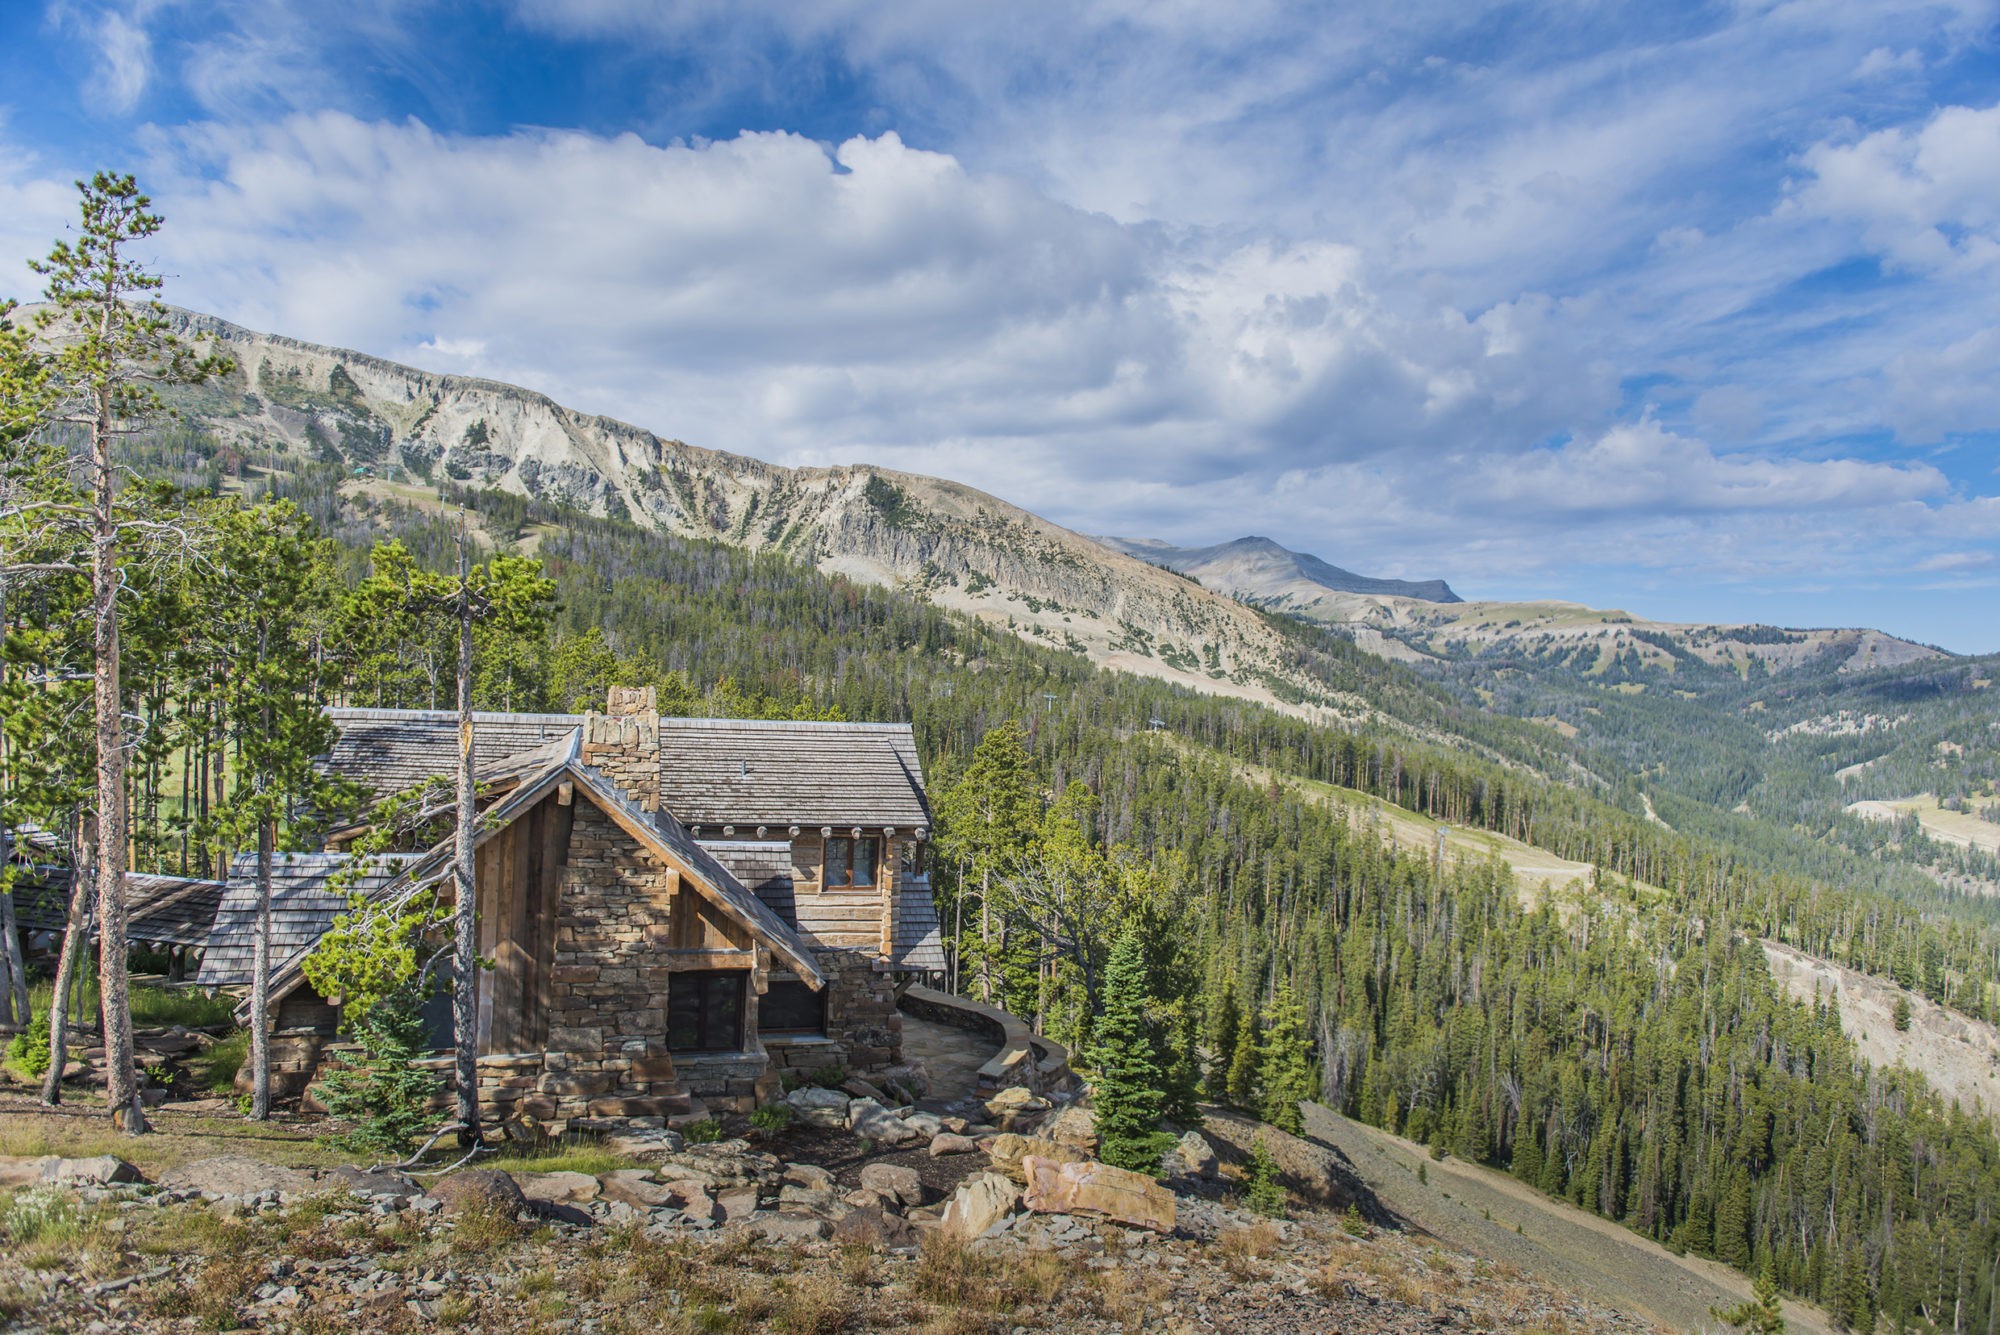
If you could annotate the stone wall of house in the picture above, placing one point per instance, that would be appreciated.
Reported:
(861, 1015)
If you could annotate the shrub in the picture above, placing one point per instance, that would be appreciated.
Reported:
(28, 1051)
(217, 1067)
(772, 1117)
(829, 1077)
(382, 1091)
(1267, 1194)
(705, 1132)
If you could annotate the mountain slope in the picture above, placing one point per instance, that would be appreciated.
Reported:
(1263, 572)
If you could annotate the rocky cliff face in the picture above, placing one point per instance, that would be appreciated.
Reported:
(957, 547)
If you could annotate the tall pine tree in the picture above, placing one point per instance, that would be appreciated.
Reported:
(1127, 1095)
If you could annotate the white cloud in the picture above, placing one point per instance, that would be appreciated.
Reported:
(123, 49)
(1927, 198)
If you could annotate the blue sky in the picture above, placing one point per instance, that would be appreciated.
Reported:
(1693, 310)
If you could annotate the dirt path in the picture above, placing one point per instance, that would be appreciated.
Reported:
(1479, 1210)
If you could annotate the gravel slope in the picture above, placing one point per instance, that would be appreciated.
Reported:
(1557, 1243)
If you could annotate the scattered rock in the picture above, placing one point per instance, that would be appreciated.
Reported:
(1314, 1172)
(559, 1188)
(945, 1143)
(923, 1123)
(479, 1189)
(900, 1184)
(1099, 1190)
(1075, 1126)
(737, 1205)
(863, 1199)
(861, 1089)
(979, 1203)
(635, 1187)
(1008, 1150)
(233, 1175)
(646, 1143)
(360, 1182)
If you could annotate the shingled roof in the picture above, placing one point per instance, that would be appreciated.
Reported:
(751, 772)
(919, 944)
(764, 869)
(391, 750)
(713, 772)
(303, 905)
(162, 910)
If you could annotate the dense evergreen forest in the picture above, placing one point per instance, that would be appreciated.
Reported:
(1621, 1044)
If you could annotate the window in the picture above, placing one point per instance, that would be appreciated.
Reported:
(705, 1011)
(790, 1007)
(851, 862)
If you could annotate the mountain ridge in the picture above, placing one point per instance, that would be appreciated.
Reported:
(958, 548)
(1240, 565)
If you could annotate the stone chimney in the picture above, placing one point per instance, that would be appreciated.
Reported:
(623, 743)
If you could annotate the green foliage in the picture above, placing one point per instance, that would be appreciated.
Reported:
(221, 1060)
(28, 1051)
(703, 1132)
(1285, 1072)
(1126, 1095)
(772, 1117)
(828, 1077)
(381, 1090)
(1763, 1314)
(1266, 1194)
(1900, 1016)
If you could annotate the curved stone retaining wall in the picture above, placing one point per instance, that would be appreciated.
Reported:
(1021, 1057)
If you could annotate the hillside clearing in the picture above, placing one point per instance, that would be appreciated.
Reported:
(1960, 1056)
(1962, 828)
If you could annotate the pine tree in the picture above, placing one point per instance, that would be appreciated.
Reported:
(1224, 1028)
(1126, 1095)
(1285, 1070)
(1732, 1221)
(1764, 1314)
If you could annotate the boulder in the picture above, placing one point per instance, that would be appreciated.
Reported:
(876, 1226)
(635, 1187)
(1098, 1190)
(1075, 1126)
(103, 1170)
(863, 1199)
(789, 1227)
(24, 1170)
(1315, 1172)
(924, 1124)
(559, 1188)
(861, 1089)
(944, 1142)
(645, 1143)
(1008, 1150)
(1195, 1156)
(737, 1205)
(479, 1189)
(233, 1175)
(867, 1118)
(819, 1107)
(808, 1175)
(979, 1203)
(895, 1182)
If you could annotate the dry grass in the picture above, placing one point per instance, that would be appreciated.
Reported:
(817, 1305)
(1240, 1248)
(475, 1232)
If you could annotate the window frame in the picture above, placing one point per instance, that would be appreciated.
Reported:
(817, 1029)
(849, 846)
(703, 980)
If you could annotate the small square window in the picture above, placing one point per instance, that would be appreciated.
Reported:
(705, 1011)
(790, 1007)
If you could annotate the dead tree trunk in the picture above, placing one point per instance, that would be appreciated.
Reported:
(121, 1077)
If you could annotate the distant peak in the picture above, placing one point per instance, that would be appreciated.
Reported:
(1222, 567)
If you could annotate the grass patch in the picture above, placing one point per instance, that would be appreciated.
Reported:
(581, 1156)
(153, 1007)
(217, 1067)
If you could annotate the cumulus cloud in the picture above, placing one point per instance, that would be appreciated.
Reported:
(1928, 197)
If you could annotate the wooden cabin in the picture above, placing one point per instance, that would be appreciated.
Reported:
(675, 909)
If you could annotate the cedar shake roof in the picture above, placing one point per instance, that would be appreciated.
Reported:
(919, 944)
(303, 906)
(391, 750)
(164, 910)
(751, 772)
(713, 772)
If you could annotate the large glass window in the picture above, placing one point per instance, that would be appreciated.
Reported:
(705, 1011)
(790, 1007)
(851, 862)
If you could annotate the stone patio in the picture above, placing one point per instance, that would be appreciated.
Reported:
(952, 1056)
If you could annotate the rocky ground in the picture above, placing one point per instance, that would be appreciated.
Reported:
(860, 1216)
